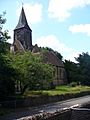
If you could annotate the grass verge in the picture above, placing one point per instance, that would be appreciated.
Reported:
(58, 91)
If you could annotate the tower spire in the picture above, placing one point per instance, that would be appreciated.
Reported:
(22, 20)
(23, 33)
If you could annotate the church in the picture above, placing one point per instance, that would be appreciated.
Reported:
(23, 42)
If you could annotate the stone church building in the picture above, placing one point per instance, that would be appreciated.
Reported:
(23, 41)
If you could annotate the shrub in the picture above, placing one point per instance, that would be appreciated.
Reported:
(73, 84)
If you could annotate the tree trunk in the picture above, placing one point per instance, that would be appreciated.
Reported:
(24, 88)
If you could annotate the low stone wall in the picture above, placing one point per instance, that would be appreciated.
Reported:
(36, 101)
(58, 115)
(64, 115)
(86, 105)
(69, 114)
(80, 114)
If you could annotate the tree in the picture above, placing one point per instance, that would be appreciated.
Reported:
(7, 86)
(72, 71)
(3, 35)
(84, 67)
(33, 72)
(80, 71)
(7, 75)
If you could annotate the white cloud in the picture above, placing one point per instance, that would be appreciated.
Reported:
(81, 28)
(61, 9)
(72, 55)
(53, 42)
(33, 12)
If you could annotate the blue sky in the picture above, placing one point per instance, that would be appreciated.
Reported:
(63, 25)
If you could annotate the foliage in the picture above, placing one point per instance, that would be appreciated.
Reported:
(79, 72)
(7, 74)
(3, 34)
(84, 67)
(59, 90)
(72, 71)
(2, 20)
(7, 86)
(33, 73)
(73, 84)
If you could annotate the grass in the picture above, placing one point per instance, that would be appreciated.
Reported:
(58, 91)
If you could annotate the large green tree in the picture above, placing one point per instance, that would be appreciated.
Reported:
(3, 35)
(7, 77)
(72, 71)
(6, 70)
(84, 67)
(79, 72)
(33, 73)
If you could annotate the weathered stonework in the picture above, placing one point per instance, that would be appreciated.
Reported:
(23, 33)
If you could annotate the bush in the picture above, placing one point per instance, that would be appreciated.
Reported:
(52, 86)
(73, 84)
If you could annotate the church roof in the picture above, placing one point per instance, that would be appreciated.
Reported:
(22, 21)
(51, 58)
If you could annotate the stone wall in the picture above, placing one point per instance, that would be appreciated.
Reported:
(80, 114)
(64, 115)
(36, 101)
(60, 76)
(69, 114)
(60, 115)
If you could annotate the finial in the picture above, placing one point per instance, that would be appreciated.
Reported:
(22, 3)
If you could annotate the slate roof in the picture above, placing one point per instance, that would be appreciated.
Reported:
(22, 21)
(51, 58)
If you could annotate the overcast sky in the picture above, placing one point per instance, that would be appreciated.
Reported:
(63, 25)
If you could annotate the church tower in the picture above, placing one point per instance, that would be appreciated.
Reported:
(22, 34)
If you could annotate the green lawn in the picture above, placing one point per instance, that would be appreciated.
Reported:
(58, 91)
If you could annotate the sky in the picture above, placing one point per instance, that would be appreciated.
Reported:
(63, 25)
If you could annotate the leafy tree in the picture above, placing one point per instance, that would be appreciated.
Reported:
(33, 72)
(72, 71)
(7, 74)
(3, 35)
(79, 72)
(84, 67)
(6, 70)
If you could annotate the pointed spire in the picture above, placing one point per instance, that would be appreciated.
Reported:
(22, 21)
